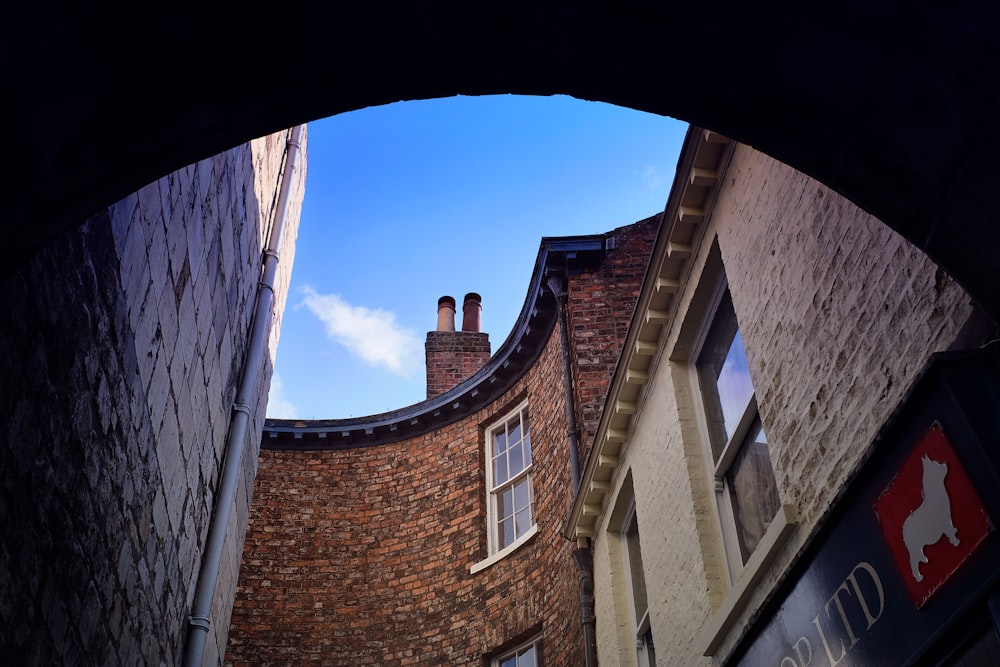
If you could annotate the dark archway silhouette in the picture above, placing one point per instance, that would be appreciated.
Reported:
(893, 105)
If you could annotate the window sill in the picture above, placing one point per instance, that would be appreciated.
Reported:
(726, 615)
(506, 551)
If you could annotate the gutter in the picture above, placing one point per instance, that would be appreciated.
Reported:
(199, 621)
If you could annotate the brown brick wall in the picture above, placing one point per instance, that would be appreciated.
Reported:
(600, 308)
(362, 556)
(453, 356)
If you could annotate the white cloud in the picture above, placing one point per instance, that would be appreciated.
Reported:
(278, 405)
(372, 335)
(651, 177)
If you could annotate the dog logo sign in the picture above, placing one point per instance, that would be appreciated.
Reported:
(931, 516)
(932, 520)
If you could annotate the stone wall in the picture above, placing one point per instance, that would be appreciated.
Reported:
(120, 349)
(838, 315)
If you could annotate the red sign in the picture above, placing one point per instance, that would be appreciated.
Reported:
(931, 516)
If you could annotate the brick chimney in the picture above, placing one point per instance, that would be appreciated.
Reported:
(453, 356)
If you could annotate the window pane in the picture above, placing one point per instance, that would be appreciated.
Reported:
(506, 532)
(522, 521)
(500, 470)
(506, 503)
(521, 494)
(516, 459)
(724, 375)
(753, 490)
(634, 556)
(509, 661)
(527, 658)
(527, 450)
(500, 439)
(735, 389)
(515, 430)
(647, 655)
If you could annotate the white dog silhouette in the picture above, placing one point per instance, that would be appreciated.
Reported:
(931, 519)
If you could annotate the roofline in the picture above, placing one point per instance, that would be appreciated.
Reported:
(557, 256)
(681, 231)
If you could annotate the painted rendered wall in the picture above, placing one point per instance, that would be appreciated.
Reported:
(838, 314)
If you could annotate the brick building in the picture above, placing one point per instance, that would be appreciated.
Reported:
(754, 495)
(431, 535)
(746, 377)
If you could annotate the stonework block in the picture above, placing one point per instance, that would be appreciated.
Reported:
(101, 348)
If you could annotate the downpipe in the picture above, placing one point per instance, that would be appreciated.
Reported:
(582, 556)
(200, 619)
(585, 564)
(572, 431)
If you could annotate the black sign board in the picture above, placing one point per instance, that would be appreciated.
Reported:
(911, 545)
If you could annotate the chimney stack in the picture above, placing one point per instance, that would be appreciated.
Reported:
(446, 314)
(455, 356)
(471, 310)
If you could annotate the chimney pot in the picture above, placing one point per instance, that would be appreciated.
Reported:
(446, 314)
(471, 310)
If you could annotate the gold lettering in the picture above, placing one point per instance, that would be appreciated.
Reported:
(840, 609)
(826, 644)
(798, 651)
(861, 598)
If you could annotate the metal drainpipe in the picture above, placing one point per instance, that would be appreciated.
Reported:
(585, 563)
(572, 432)
(581, 556)
(200, 619)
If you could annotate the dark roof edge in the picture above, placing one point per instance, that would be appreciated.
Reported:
(557, 256)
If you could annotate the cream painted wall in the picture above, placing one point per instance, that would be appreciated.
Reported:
(838, 314)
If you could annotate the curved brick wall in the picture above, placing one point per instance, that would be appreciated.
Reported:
(361, 556)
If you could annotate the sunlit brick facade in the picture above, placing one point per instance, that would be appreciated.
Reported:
(368, 538)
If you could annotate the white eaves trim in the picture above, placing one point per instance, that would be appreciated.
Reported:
(680, 233)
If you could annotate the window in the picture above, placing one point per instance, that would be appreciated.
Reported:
(634, 574)
(508, 475)
(528, 655)
(746, 492)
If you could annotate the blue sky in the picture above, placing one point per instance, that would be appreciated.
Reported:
(412, 201)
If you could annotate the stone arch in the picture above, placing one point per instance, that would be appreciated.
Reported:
(893, 107)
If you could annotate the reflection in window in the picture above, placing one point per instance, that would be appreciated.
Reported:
(510, 507)
(742, 463)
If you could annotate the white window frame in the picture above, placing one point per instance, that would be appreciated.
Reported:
(494, 551)
(534, 643)
(719, 465)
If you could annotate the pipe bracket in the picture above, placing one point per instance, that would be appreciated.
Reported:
(200, 622)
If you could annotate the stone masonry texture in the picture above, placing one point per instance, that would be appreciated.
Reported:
(120, 348)
(362, 556)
